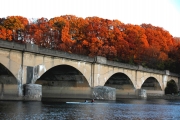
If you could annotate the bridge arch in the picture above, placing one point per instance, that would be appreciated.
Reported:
(6, 76)
(64, 82)
(104, 77)
(81, 66)
(8, 82)
(123, 81)
(12, 66)
(119, 81)
(158, 78)
(63, 73)
(151, 83)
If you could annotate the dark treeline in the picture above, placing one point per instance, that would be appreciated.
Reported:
(145, 44)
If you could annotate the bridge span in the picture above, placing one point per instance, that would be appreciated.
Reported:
(28, 72)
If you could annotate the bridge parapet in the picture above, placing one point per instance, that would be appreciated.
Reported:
(173, 74)
(98, 59)
(67, 55)
(11, 45)
(140, 68)
(151, 70)
(123, 65)
(45, 51)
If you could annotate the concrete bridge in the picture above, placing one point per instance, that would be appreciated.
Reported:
(28, 72)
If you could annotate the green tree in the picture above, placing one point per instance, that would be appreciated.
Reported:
(171, 87)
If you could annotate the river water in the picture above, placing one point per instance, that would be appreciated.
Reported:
(125, 109)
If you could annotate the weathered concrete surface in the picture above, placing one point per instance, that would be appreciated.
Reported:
(9, 92)
(32, 92)
(131, 93)
(100, 92)
(154, 93)
(66, 92)
(104, 93)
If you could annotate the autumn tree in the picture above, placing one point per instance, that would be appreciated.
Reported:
(137, 40)
(5, 34)
(15, 22)
(158, 38)
(120, 44)
(93, 39)
(77, 27)
(11, 26)
(100, 37)
(61, 24)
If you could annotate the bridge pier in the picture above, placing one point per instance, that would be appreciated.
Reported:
(104, 93)
(32, 92)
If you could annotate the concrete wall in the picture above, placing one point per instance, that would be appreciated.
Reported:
(12, 60)
(66, 92)
(103, 72)
(44, 63)
(142, 76)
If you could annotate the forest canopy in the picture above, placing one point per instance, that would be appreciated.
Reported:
(145, 44)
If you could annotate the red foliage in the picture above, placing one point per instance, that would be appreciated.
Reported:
(144, 44)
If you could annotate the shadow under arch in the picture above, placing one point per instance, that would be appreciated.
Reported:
(6, 77)
(8, 83)
(151, 83)
(123, 84)
(63, 75)
(120, 81)
(64, 82)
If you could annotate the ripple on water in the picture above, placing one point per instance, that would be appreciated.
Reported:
(123, 110)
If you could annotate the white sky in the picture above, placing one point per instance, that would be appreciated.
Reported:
(161, 13)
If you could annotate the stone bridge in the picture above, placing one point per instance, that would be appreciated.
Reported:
(29, 72)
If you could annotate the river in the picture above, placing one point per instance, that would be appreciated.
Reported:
(125, 109)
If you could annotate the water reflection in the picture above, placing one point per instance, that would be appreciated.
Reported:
(101, 110)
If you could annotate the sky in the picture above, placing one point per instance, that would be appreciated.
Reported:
(162, 13)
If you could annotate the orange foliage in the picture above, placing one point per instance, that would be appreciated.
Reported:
(5, 34)
(15, 22)
(145, 44)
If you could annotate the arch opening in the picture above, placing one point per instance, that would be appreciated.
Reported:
(8, 83)
(63, 76)
(123, 84)
(151, 83)
(120, 81)
(64, 81)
